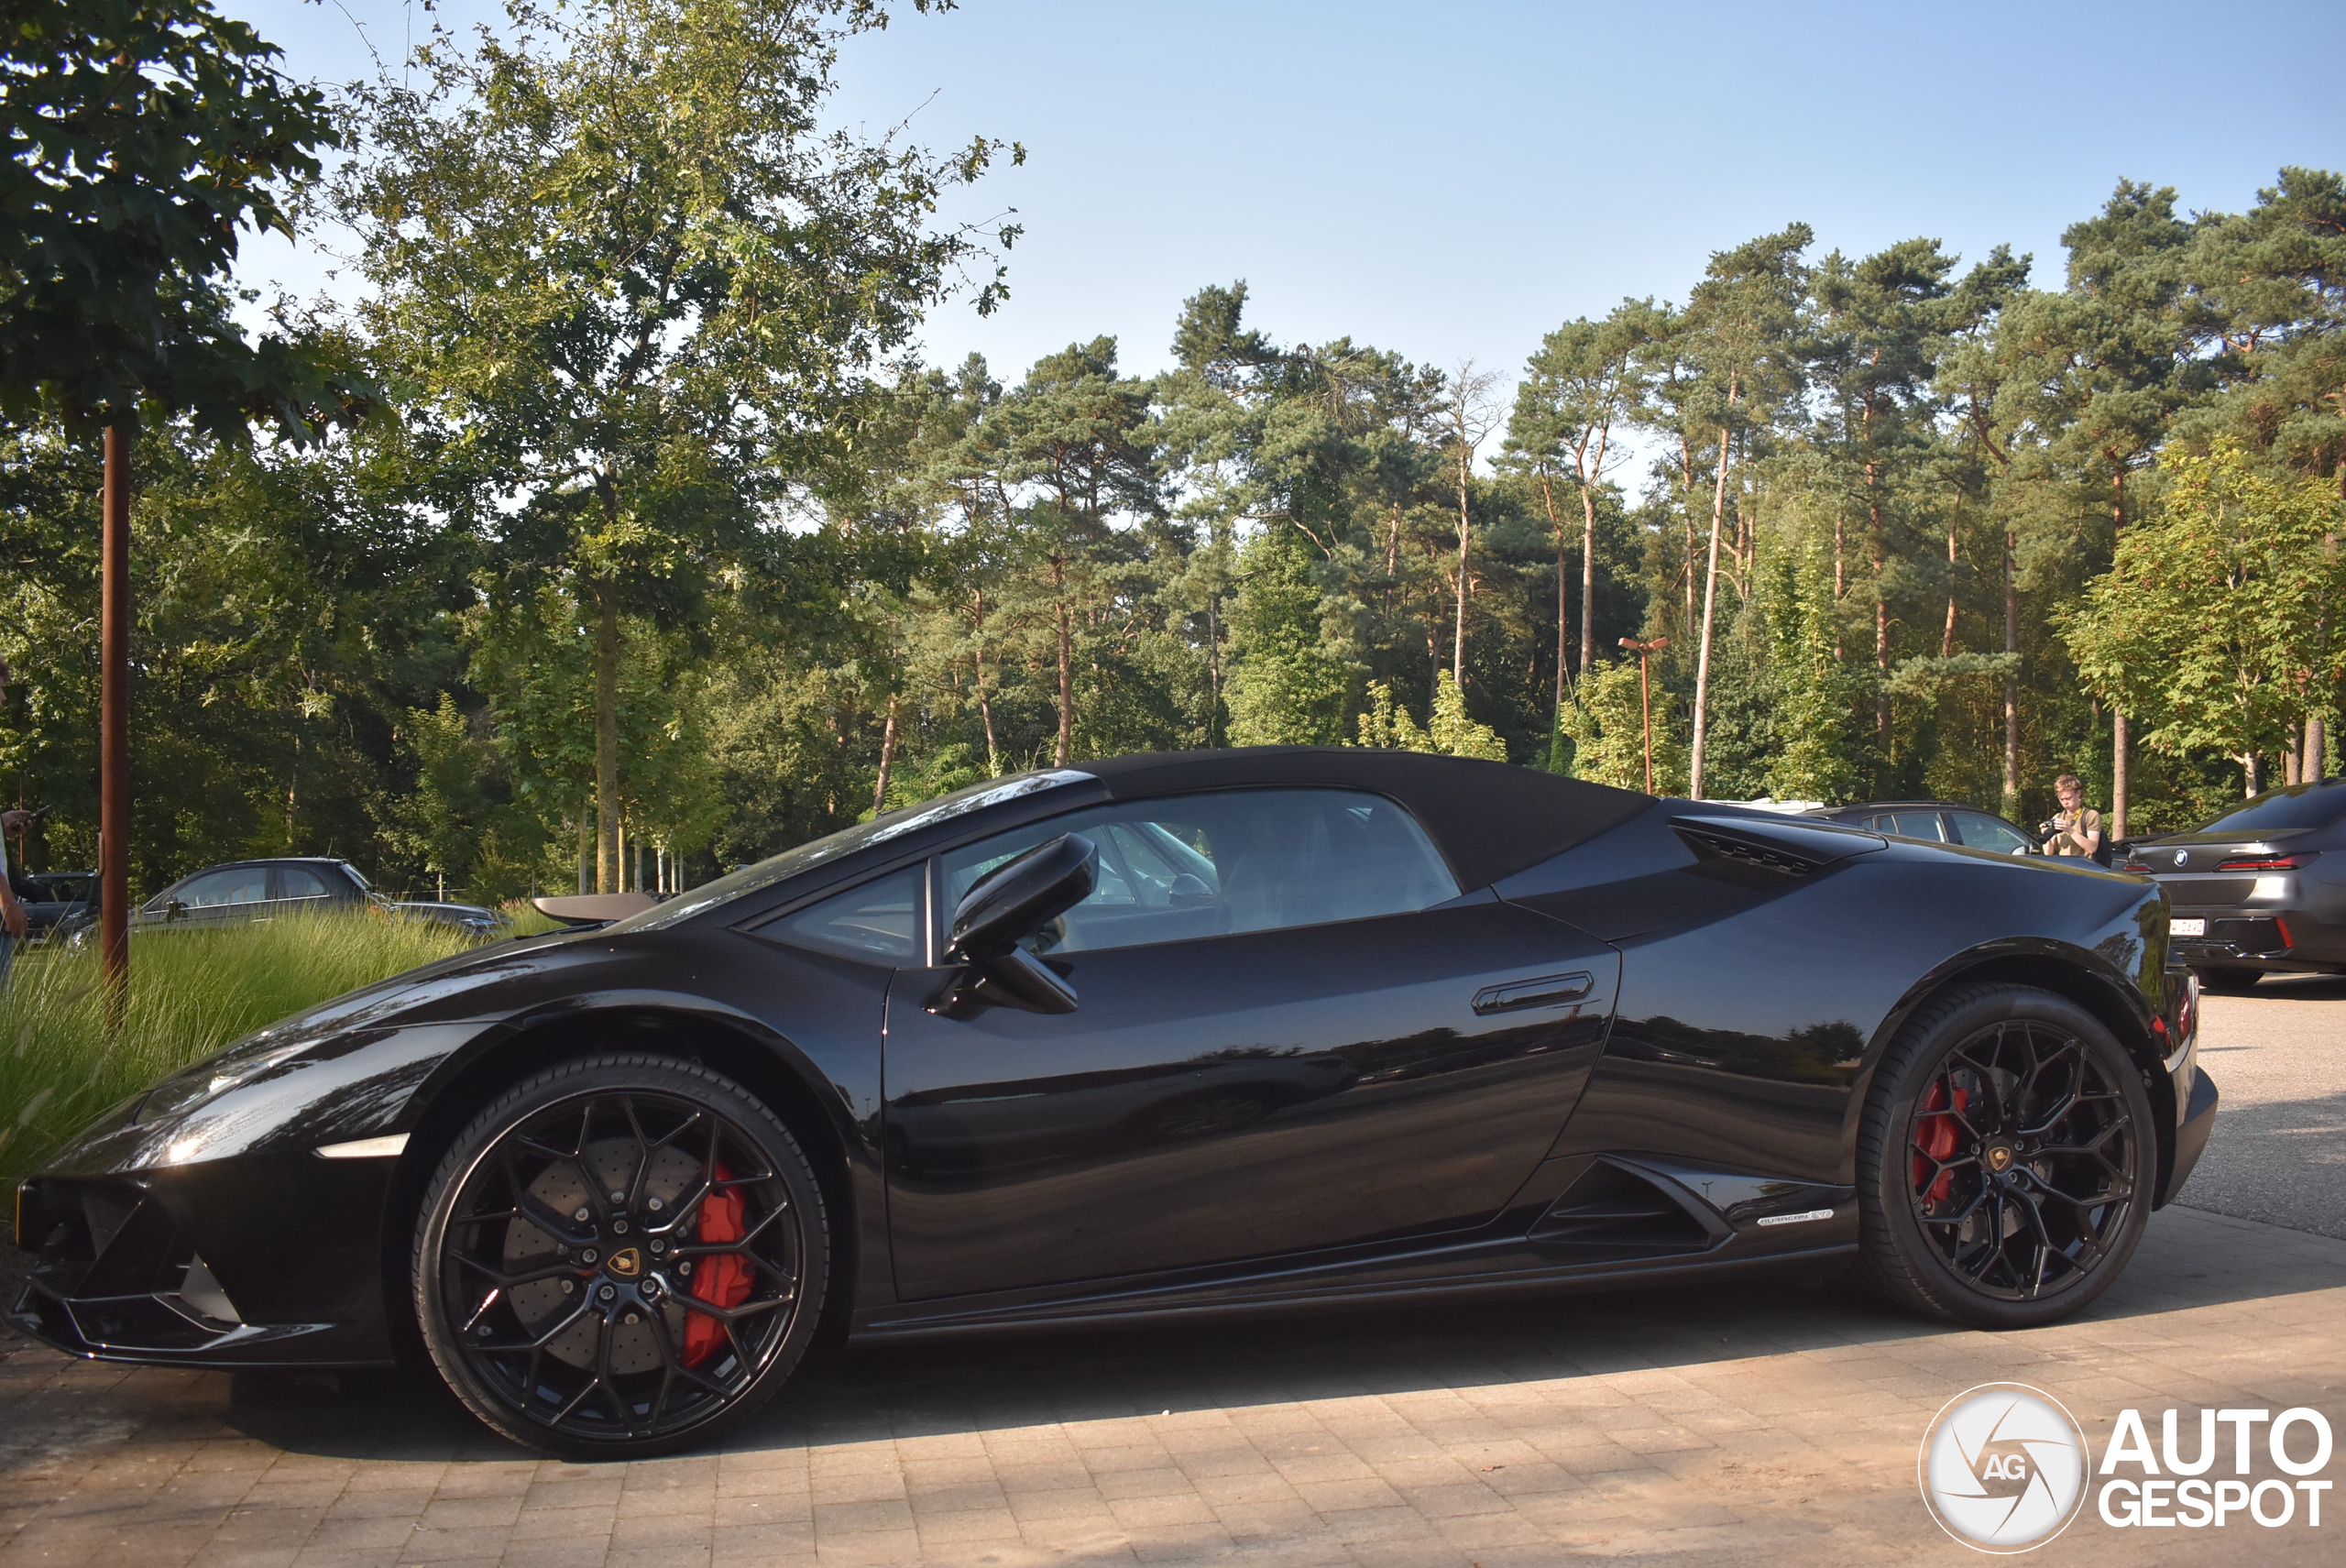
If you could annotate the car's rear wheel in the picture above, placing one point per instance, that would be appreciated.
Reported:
(2005, 1161)
(620, 1256)
(2227, 978)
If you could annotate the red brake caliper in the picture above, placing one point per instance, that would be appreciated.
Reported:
(1934, 1137)
(724, 1279)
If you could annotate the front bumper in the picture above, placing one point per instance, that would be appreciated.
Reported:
(263, 1260)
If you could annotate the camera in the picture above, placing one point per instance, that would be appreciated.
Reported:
(2046, 829)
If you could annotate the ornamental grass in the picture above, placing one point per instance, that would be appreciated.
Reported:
(191, 994)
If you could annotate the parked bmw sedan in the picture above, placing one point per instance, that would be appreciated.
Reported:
(2259, 890)
(1158, 1037)
(1939, 821)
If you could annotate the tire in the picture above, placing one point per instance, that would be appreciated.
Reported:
(2006, 1160)
(556, 1249)
(2229, 978)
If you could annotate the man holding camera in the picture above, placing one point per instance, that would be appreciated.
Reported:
(2076, 828)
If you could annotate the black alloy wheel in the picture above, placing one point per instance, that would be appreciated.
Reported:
(621, 1255)
(2007, 1159)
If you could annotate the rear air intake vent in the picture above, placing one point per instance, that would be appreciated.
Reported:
(1789, 848)
(1719, 848)
(1611, 1212)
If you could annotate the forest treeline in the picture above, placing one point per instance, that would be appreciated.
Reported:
(663, 551)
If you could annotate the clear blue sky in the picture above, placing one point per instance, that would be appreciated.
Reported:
(1453, 181)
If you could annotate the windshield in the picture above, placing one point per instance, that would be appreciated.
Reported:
(2305, 805)
(846, 842)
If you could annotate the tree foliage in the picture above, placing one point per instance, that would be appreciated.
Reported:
(675, 553)
(2214, 622)
(138, 140)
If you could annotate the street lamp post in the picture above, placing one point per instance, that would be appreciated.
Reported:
(1645, 651)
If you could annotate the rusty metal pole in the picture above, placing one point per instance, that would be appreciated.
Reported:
(1645, 653)
(1645, 700)
(114, 727)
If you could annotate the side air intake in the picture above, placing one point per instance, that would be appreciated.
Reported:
(1611, 1212)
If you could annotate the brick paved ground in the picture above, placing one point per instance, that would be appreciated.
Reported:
(1750, 1423)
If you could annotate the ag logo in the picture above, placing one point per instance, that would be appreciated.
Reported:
(627, 1262)
(2003, 1468)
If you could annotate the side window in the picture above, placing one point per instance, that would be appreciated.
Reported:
(238, 884)
(300, 882)
(1207, 865)
(1989, 833)
(878, 922)
(1911, 825)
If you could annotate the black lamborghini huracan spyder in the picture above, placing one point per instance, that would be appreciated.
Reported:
(1163, 1036)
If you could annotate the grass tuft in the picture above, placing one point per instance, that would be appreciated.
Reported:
(191, 993)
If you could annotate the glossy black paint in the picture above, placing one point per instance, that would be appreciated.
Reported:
(1233, 1097)
(1633, 1049)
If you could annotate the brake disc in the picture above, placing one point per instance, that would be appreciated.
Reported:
(541, 1303)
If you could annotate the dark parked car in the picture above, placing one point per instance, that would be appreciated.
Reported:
(2260, 890)
(1159, 1036)
(245, 890)
(59, 905)
(1939, 821)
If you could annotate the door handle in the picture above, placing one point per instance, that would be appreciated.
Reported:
(1547, 991)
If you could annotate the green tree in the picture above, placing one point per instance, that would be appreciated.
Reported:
(142, 138)
(1812, 690)
(2101, 370)
(1582, 383)
(1607, 723)
(2213, 621)
(1742, 322)
(1882, 325)
(1286, 687)
(636, 289)
(1387, 723)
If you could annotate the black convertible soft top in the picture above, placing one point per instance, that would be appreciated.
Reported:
(1489, 820)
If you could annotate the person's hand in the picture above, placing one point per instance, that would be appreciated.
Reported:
(12, 915)
(15, 820)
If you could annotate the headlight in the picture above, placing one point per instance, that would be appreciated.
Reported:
(233, 1067)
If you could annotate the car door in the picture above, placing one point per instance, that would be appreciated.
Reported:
(298, 890)
(1291, 1033)
(229, 896)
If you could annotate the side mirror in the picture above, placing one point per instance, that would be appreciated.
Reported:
(1013, 900)
(174, 910)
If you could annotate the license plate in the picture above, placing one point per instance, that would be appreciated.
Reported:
(2188, 928)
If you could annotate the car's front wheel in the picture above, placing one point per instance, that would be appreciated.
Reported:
(620, 1256)
(2006, 1160)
